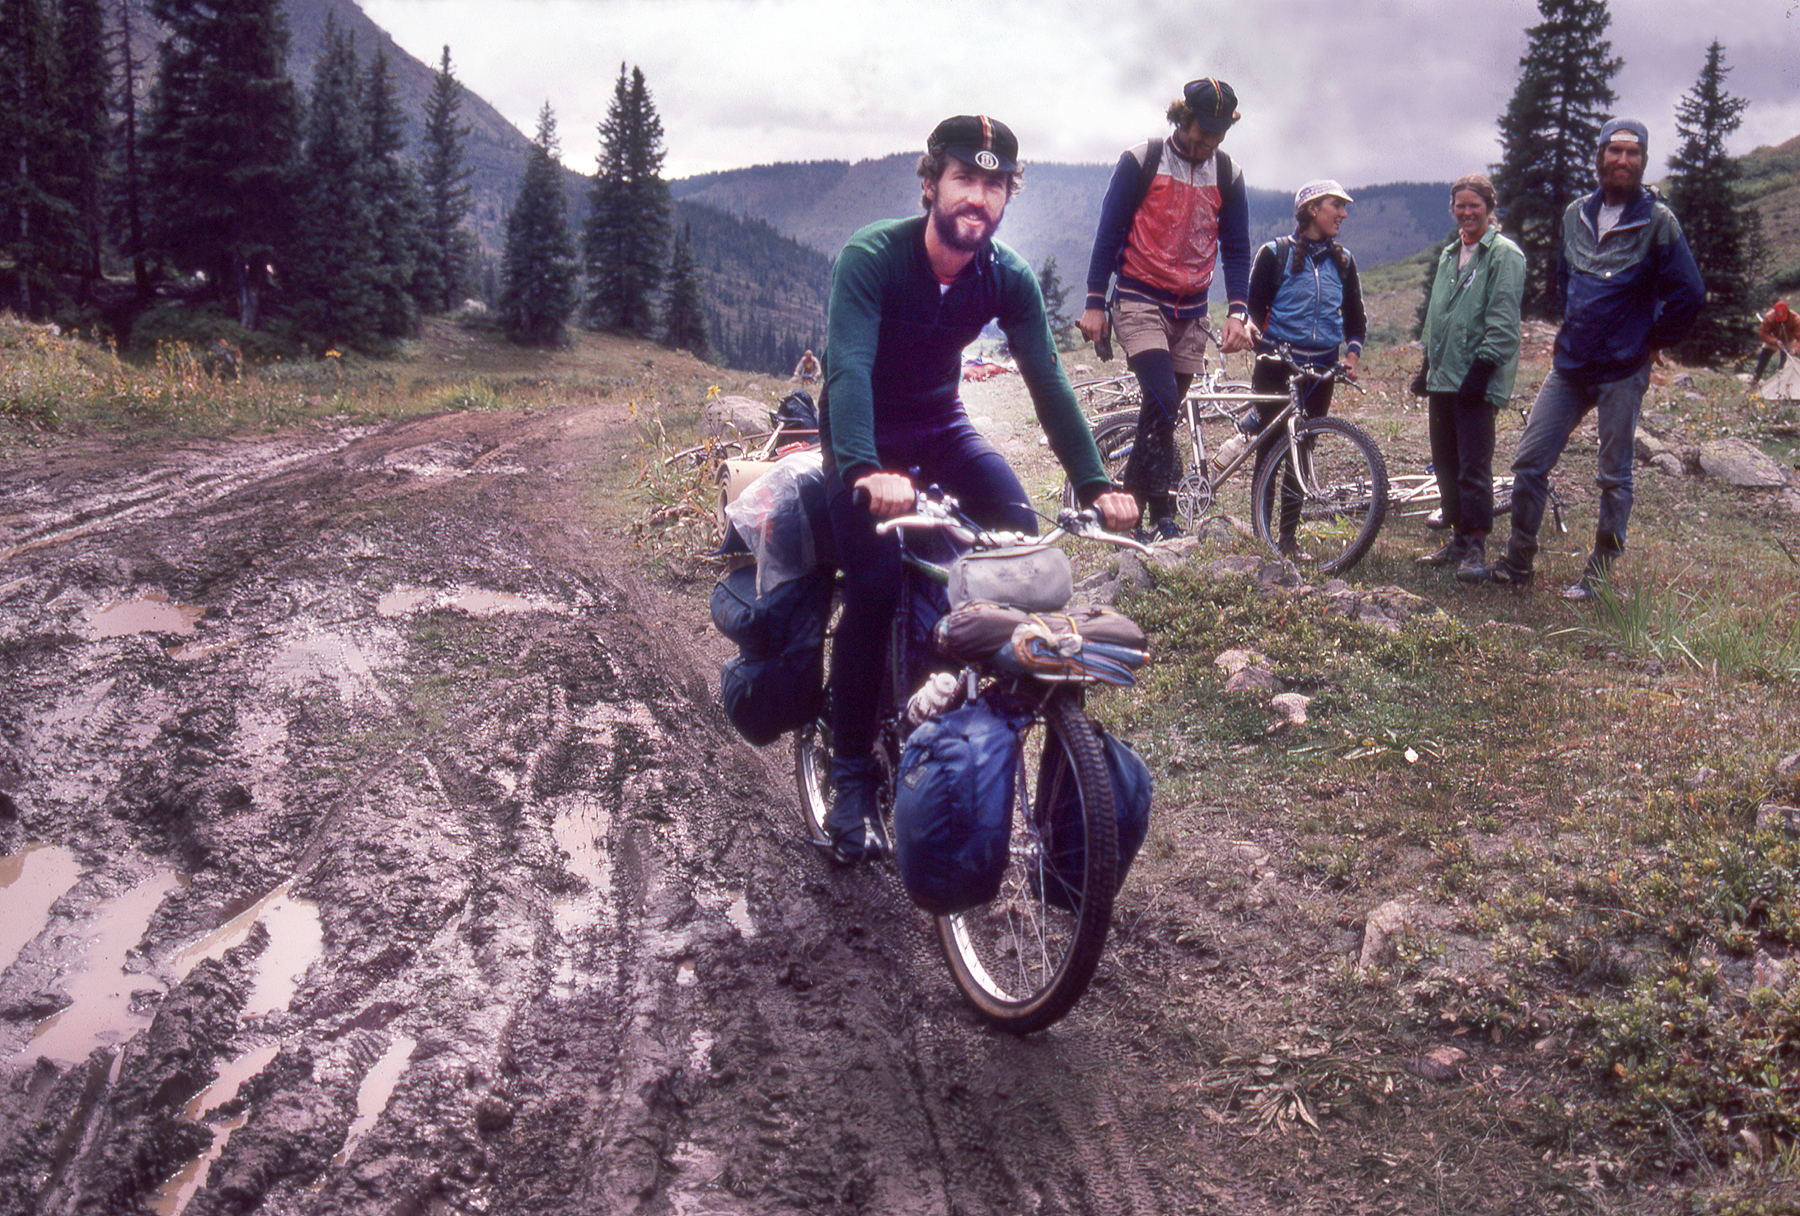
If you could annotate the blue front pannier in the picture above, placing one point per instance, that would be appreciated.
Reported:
(953, 801)
(1066, 832)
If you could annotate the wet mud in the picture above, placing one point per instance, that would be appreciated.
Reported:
(374, 843)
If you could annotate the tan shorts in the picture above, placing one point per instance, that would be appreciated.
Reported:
(1143, 327)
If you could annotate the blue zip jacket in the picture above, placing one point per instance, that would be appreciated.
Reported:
(1314, 309)
(1634, 290)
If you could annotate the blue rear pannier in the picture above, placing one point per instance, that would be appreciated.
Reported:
(953, 801)
(776, 682)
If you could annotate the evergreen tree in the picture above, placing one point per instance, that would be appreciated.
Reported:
(128, 199)
(447, 264)
(684, 318)
(35, 215)
(331, 267)
(538, 283)
(400, 206)
(1547, 136)
(1056, 298)
(86, 129)
(627, 225)
(1703, 195)
(219, 144)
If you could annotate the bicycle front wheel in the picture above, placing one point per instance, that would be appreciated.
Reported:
(1321, 500)
(1023, 959)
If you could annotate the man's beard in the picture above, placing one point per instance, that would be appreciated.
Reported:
(949, 230)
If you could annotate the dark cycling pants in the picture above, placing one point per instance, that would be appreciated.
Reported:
(968, 467)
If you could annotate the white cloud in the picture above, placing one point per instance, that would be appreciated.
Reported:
(1364, 91)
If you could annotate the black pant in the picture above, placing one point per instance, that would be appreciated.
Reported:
(1154, 466)
(1462, 455)
(1271, 376)
(969, 467)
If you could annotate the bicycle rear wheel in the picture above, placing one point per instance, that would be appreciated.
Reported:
(812, 774)
(1023, 959)
(1114, 435)
(1323, 515)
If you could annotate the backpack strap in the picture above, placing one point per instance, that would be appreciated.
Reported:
(1147, 171)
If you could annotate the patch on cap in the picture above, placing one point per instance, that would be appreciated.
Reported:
(975, 139)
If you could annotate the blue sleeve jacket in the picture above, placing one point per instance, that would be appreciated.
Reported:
(1634, 290)
(1315, 307)
(1192, 219)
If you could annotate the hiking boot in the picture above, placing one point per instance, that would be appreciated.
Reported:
(1474, 556)
(1452, 554)
(1167, 528)
(1501, 571)
(854, 822)
(1290, 549)
(1586, 589)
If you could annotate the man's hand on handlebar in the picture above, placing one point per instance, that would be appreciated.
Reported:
(887, 494)
(1118, 510)
(1350, 363)
(1239, 335)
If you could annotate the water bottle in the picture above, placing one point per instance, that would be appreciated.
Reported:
(936, 695)
(1231, 449)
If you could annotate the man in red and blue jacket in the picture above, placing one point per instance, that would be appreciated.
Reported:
(1630, 289)
(1175, 211)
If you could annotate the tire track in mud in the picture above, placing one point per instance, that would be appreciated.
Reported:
(544, 872)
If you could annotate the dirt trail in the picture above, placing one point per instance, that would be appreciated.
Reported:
(391, 855)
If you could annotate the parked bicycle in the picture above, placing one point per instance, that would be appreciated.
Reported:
(1025, 957)
(1327, 476)
(1412, 495)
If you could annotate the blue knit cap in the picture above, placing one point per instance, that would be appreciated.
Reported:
(1624, 129)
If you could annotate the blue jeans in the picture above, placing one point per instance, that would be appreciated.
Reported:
(1560, 406)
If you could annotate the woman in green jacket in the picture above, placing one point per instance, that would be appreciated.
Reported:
(1471, 355)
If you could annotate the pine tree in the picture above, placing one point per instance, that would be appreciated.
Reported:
(627, 225)
(1056, 297)
(1547, 136)
(538, 284)
(1703, 195)
(400, 207)
(128, 204)
(86, 130)
(331, 264)
(219, 144)
(35, 215)
(684, 318)
(448, 262)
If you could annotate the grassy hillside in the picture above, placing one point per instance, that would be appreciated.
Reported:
(1772, 185)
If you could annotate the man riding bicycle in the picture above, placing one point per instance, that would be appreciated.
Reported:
(907, 296)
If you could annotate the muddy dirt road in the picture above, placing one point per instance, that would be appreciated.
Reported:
(373, 843)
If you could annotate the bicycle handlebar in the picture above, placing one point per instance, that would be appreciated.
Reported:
(940, 514)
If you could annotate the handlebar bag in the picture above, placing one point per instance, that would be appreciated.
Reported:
(1035, 579)
(953, 799)
(1061, 822)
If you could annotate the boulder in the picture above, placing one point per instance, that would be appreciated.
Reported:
(729, 416)
(1741, 463)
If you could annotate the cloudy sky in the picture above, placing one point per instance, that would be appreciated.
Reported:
(1366, 91)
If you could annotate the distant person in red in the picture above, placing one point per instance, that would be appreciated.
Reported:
(1780, 335)
(807, 370)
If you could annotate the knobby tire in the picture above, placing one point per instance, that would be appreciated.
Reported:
(1023, 959)
(1341, 500)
